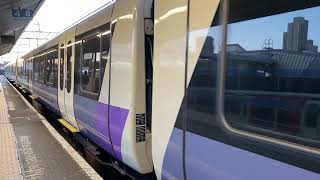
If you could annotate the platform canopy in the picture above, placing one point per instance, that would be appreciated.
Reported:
(15, 15)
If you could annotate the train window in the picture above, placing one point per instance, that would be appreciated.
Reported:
(274, 72)
(311, 125)
(91, 56)
(42, 69)
(48, 69)
(69, 65)
(20, 69)
(50, 75)
(61, 66)
(24, 69)
(91, 64)
(202, 67)
(27, 68)
(31, 68)
(35, 69)
(55, 66)
(105, 49)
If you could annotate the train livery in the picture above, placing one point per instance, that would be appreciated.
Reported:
(187, 89)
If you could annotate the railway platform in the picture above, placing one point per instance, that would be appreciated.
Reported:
(30, 148)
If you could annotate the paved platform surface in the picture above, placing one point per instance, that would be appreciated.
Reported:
(28, 149)
(9, 160)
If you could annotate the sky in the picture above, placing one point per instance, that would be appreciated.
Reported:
(252, 33)
(54, 16)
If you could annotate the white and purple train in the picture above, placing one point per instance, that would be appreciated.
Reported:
(189, 89)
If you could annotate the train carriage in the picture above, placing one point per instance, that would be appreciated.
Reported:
(211, 89)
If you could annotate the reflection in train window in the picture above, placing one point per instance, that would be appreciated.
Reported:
(90, 64)
(49, 69)
(311, 117)
(52, 58)
(105, 48)
(55, 67)
(69, 65)
(36, 69)
(42, 69)
(61, 66)
(204, 46)
(273, 72)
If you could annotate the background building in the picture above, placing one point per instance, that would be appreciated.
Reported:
(296, 37)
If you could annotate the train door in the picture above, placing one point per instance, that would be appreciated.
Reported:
(61, 73)
(66, 76)
(69, 75)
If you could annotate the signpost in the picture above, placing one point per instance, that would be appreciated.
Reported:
(22, 13)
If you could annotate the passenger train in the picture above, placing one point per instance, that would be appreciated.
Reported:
(188, 89)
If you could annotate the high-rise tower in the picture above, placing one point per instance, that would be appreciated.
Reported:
(296, 37)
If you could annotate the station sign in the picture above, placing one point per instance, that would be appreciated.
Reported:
(22, 13)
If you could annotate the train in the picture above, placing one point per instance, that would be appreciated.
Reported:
(185, 90)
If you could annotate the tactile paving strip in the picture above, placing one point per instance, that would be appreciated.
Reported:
(9, 160)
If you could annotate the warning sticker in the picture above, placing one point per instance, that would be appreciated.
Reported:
(140, 128)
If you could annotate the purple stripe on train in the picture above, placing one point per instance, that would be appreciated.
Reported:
(94, 118)
(208, 159)
(172, 163)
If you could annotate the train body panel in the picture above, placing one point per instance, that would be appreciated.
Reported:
(168, 87)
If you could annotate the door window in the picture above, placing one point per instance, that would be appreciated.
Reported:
(69, 65)
(91, 65)
(61, 66)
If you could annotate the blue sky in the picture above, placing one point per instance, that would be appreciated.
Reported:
(251, 34)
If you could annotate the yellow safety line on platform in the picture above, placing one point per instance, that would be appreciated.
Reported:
(68, 126)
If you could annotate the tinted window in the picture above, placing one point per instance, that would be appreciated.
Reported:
(273, 73)
(51, 67)
(61, 66)
(202, 87)
(91, 56)
(105, 49)
(91, 64)
(24, 68)
(69, 65)
(55, 66)
(42, 68)
(36, 69)
(49, 70)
